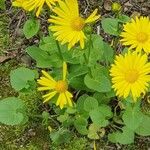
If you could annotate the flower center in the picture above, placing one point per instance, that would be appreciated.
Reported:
(132, 76)
(61, 86)
(77, 24)
(142, 37)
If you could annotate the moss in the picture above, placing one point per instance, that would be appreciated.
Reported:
(4, 34)
(77, 143)
(5, 87)
(30, 136)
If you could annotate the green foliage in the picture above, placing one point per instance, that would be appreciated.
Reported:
(93, 131)
(5, 40)
(31, 28)
(90, 104)
(12, 111)
(123, 18)
(20, 78)
(100, 115)
(43, 59)
(111, 26)
(77, 70)
(132, 117)
(76, 143)
(135, 122)
(81, 125)
(143, 129)
(124, 137)
(60, 136)
(108, 55)
(80, 103)
(2, 4)
(99, 80)
(48, 44)
(96, 53)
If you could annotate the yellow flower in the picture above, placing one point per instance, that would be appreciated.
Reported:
(68, 25)
(56, 87)
(137, 34)
(18, 3)
(37, 5)
(130, 74)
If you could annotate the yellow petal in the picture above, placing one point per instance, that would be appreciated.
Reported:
(68, 97)
(47, 75)
(43, 88)
(49, 96)
(92, 17)
(61, 100)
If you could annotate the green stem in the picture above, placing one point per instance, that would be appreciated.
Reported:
(40, 116)
(90, 45)
(59, 50)
(89, 52)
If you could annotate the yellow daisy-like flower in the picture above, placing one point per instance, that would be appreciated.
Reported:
(37, 5)
(56, 87)
(137, 34)
(130, 74)
(68, 24)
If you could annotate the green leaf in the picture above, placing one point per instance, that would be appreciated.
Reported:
(48, 44)
(103, 50)
(90, 103)
(110, 26)
(96, 52)
(71, 110)
(98, 83)
(68, 57)
(101, 98)
(12, 111)
(77, 70)
(20, 77)
(78, 83)
(80, 103)
(43, 59)
(99, 79)
(126, 137)
(101, 115)
(132, 117)
(2, 4)
(81, 125)
(108, 53)
(97, 41)
(92, 133)
(124, 18)
(144, 127)
(60, 136)
(93, 50)
(31, 28)
(63, 118)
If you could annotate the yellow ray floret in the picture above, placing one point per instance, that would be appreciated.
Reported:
(59, 88)
(68, 25)
(37, 5)
(17, 3)
(130, 75)
(136, 34)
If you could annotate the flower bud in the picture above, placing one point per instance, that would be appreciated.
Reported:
(115, 7)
